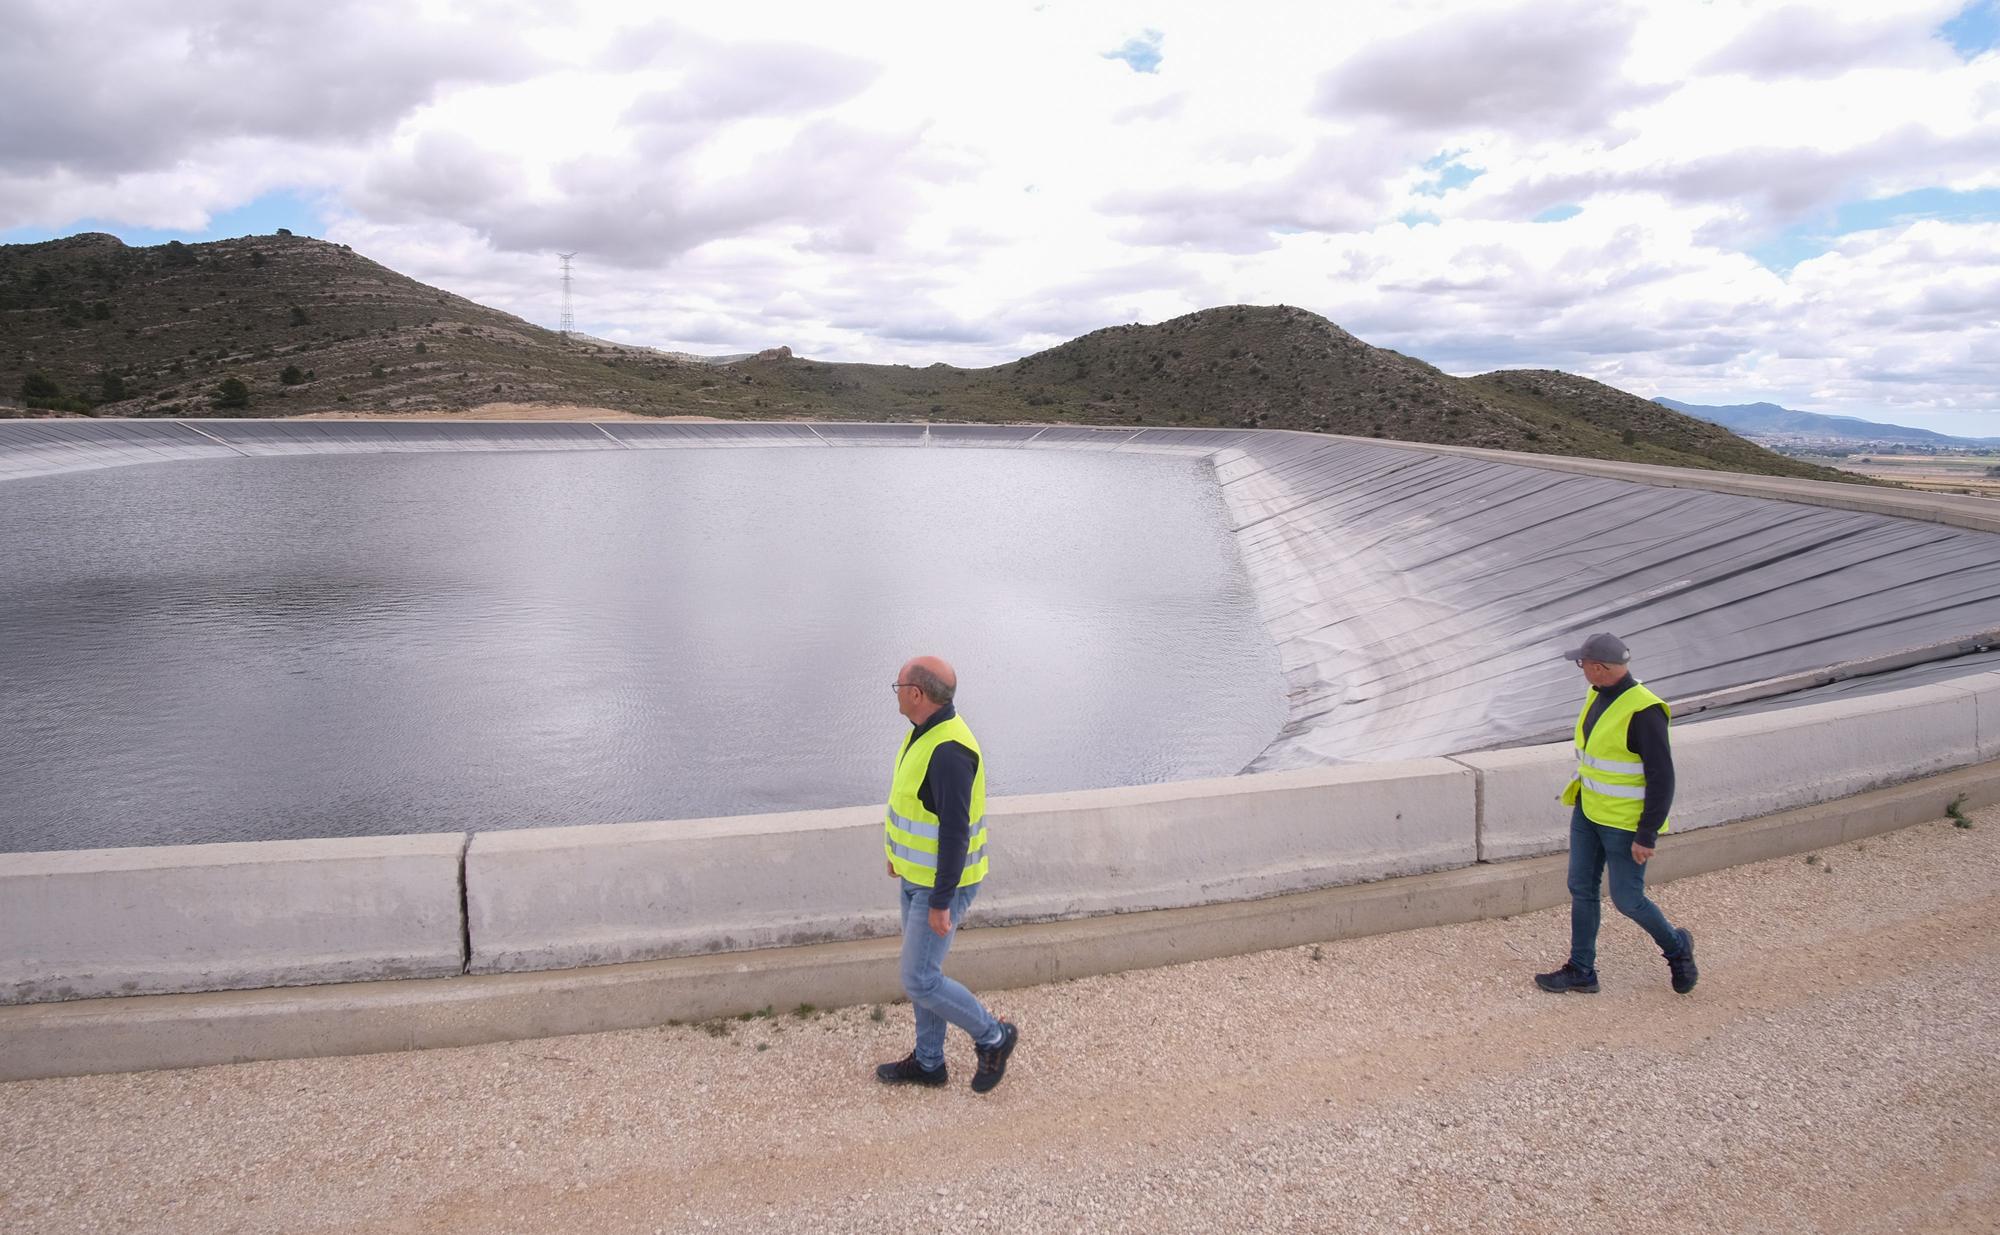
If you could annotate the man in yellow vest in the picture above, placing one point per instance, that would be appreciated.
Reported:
(937, 848)
(1620, 795)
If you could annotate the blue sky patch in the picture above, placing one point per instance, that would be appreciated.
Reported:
(1450, 174)
(1556, 214)
(260, 216)
(1411, 218)
(1141, 51)
(1976, 29)
(1813, 237)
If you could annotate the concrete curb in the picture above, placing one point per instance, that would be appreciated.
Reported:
(178, 1031)
(89, 923)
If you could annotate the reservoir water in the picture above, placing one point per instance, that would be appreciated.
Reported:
(337, 645)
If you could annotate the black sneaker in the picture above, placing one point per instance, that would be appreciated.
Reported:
(907, 1071)
(993, 1059)
(1681, 965)
(1569, 978)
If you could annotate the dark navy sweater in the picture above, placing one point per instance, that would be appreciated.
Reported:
(1647, 736)
(947, 793)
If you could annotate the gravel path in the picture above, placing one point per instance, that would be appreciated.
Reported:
(1837, 1070)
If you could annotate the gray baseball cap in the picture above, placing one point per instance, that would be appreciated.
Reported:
(1603, 647)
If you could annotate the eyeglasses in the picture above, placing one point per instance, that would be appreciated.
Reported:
(901, 685)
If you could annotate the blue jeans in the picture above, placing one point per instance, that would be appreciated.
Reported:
(936, 998)
(1592, 848)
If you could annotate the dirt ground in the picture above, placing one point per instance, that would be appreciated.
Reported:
(1939, 474)
(1837, 1071)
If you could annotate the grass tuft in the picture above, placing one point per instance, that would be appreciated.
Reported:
(1956, 810)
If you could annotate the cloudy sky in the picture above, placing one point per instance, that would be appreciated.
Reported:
(1720, 202)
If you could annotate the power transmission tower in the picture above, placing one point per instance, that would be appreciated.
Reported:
(568, 321)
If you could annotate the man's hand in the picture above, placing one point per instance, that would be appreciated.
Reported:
(892, 869)
(940, 922)
(1641, 852)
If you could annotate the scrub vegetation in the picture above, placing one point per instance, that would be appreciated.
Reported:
(282, 325)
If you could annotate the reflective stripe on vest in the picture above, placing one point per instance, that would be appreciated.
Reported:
(912, 831)
(1610, 778)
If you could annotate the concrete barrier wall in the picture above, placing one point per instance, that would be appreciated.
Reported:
(1748, 766)
(554, 897)
(93, 922)
(541, 898)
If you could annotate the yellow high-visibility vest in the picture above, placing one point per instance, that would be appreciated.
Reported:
(1610, 780)
(913, 830)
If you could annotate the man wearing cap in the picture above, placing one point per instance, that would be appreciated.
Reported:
(1619, 797)
(937, 848)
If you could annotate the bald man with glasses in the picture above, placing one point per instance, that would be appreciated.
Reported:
(936, 844)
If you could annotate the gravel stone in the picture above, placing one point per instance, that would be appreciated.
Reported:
(1834, 1072)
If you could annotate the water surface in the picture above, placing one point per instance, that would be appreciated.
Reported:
(350, 645)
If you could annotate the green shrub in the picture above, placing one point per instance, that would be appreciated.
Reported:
(231, 392)
(38, 389)
(292, 375)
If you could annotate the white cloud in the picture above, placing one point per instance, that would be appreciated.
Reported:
(1551, 67)
(908, 183)
(122, 87)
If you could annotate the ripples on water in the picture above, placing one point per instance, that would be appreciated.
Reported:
(352, 645)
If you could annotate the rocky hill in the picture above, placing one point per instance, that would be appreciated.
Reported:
(305, 326)
(280, 325)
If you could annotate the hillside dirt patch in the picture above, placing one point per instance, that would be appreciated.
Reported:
(507, 411)
(1837, 1071)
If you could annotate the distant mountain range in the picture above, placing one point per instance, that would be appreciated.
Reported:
(1768, 420)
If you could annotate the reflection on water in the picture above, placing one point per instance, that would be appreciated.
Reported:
(350, 645)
